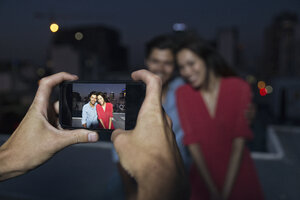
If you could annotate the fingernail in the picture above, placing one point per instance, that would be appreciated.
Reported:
(92, 137)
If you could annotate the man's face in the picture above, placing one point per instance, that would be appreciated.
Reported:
(93, 99)
(161, 63)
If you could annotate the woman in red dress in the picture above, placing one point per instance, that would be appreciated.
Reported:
(104, 112)
(212, 108)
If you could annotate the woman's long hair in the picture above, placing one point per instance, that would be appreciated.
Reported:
(104, 97)
(213, 60)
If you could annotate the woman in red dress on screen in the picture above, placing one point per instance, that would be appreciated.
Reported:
(212, 108)
(104, 112)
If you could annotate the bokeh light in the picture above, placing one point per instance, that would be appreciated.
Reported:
(269, 89)
(41, 72)
(78, 36)
(263, 92)
(261, 84)
(179, 27)
(54, 27)
(250, 79)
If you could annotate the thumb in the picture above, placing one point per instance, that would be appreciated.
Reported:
(115, 134)
(119, 138)
(78, 136)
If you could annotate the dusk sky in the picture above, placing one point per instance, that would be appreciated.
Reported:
(24, 37)
(85, 89)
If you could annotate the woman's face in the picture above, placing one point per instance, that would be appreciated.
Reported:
(100, 100)
(191, 67)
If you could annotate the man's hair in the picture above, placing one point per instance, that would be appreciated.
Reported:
(92, 93)
(160, 42)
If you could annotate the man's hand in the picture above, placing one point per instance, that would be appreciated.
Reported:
(36, 140)
(149, 153)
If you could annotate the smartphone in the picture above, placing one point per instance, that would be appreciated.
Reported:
(101, 106)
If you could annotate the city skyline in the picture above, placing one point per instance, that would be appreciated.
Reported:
(27, 37)
(85, 89)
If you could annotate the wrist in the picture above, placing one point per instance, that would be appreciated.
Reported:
(160, 181)
(6, 166)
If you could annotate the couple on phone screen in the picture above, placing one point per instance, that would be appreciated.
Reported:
(98, 112)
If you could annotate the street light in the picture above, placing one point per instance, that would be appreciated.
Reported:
(54, 27)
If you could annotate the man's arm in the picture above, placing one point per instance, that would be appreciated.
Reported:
(84, 117)
(27, 148)
(149, 153)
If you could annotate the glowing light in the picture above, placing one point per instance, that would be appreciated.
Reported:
(263, 92)
(78, 36)
(269, 89)
(54, 27)
(49, 63)
(41, 71)
(261, 84)
(251, 79)
(179, 27)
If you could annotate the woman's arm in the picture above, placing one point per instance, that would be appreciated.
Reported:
(203, 170)
(102, 123)
(109, 125)
(111, 116)
(234, 165)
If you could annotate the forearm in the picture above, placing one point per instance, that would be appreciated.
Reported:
(129, 184)
(110, 120)
(163, 181)
(8, 168)
(101, 123)
(202, 168)
(234, 165)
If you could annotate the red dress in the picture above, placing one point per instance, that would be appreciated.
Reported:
(215, 136)
(105, 115)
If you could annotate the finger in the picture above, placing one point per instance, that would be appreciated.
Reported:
(118, 137)
(78, 136)
(153, 85)
(46, 84)
(169, 121)
(116, 133)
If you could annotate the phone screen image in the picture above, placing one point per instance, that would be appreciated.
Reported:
(99, 106)
(102, 106)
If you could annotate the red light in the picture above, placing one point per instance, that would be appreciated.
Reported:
(263, 91)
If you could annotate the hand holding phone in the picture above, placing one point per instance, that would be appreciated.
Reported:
(149, 152)
(36, 140)
(100, 105)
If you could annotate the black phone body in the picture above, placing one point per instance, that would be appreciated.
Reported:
(123, 102)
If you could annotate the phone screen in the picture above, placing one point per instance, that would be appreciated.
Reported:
(99, 106)
(103, 106)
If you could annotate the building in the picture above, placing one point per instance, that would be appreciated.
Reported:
(227, 46)
(92, 52)
(282, 46)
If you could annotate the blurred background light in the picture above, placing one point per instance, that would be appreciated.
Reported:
(263, 92)
(78, 36)
(261, 84)
(179, 27)
(54, 27)
(269, 89)
(250, 79)
(41, 72)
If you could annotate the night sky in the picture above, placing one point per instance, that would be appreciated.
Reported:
(85, 89)
(24, 37)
